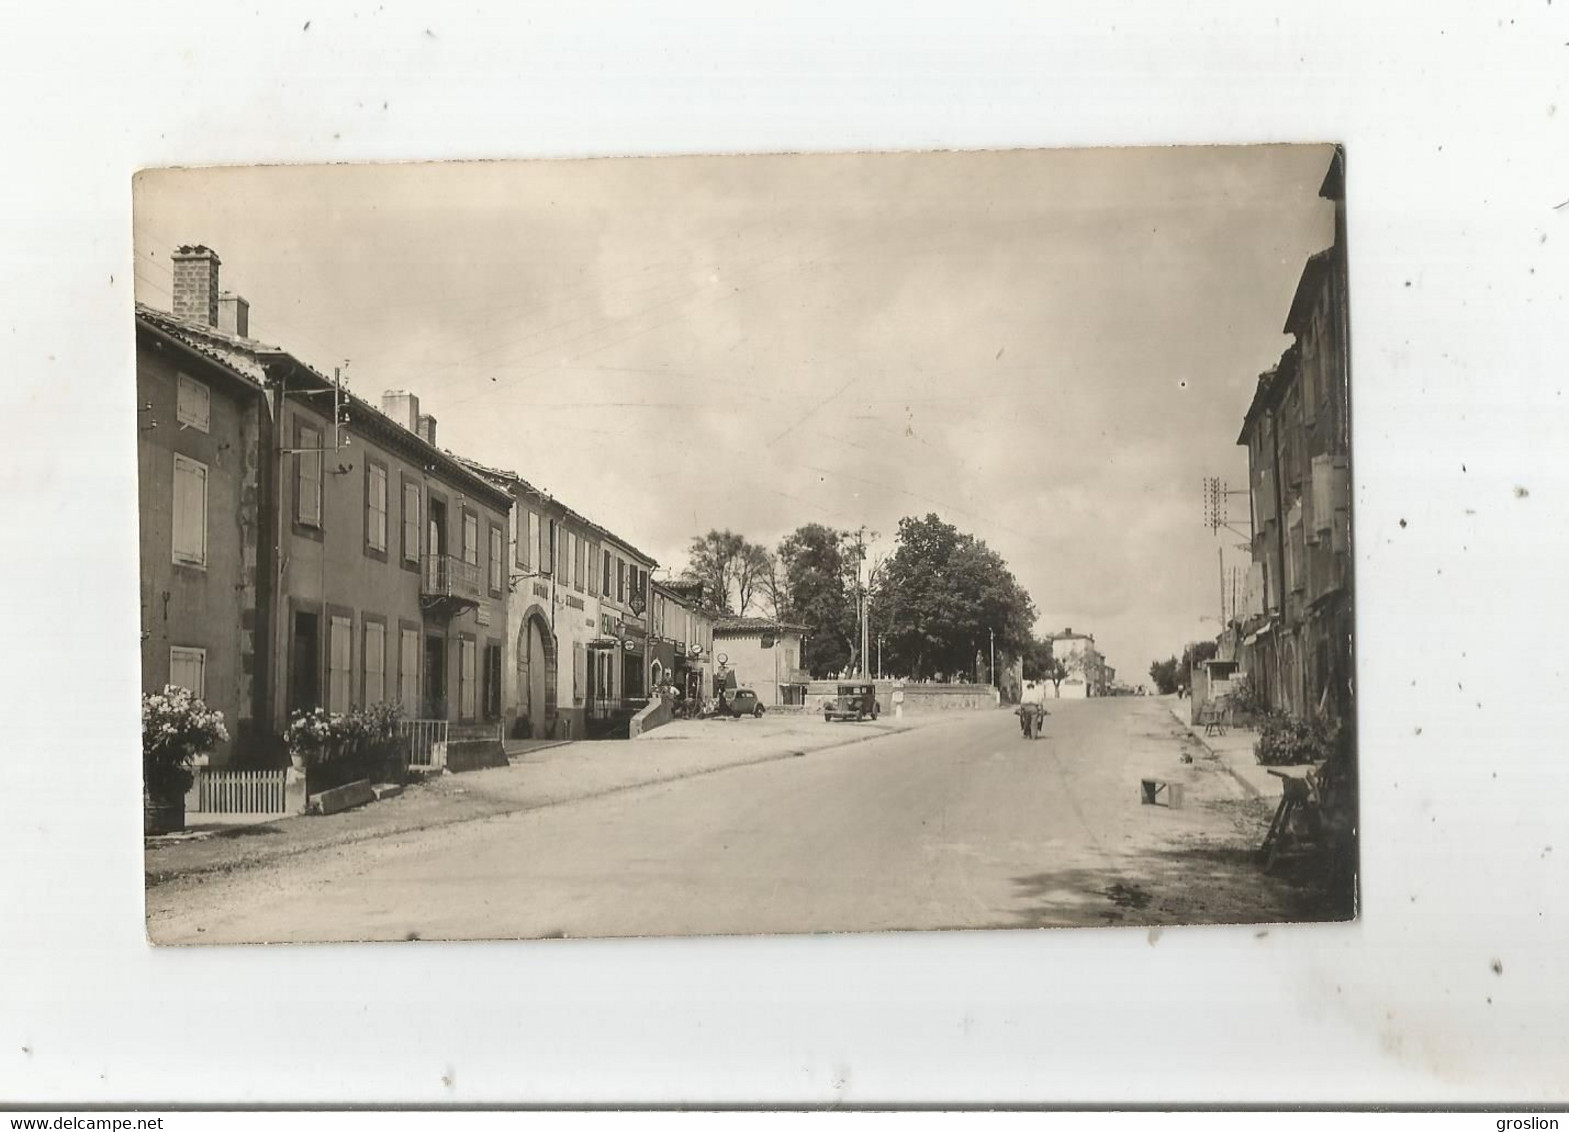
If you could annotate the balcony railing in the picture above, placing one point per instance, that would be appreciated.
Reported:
(449, 578)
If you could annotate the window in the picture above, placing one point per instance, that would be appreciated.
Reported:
(579, 564)
(190, 512)
(531, 553)
(339, 667)
(466, 658)
(375, 662)
(193, 404)
(411, 522)
(408, 672)
(307, 476)
(376, 507)
(547, 546)
(519, 547)
(497, 558)
(605, 589)
(188, 670)
(471, 538)
(563, 567)
(621, 579)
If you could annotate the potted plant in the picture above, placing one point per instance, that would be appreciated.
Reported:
(176, 727)
(308, 735)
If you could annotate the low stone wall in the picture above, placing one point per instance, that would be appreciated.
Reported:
(917, 697)
(922, 698)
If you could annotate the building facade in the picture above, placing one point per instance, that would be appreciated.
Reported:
(764, 655)
(372, 563)
(681, 631)
(576, 643)
(1086, 667)
(204, 434)
(1296, 645)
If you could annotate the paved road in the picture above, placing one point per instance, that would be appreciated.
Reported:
(961, 825)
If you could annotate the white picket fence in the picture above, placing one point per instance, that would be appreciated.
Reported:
(240, 791)
(427, 742)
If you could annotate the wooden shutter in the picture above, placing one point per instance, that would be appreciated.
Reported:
(188, 669)
(411, 522)
(190, 512)
(375, 662)
(408, 671)
(466, 678)
(339, 666)
(307, 472)
(376, 508)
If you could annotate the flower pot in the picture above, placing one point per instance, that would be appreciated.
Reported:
(162, 815)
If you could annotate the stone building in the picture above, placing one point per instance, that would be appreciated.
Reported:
(1296, 645)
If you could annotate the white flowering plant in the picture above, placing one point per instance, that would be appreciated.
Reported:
(344, 747)
(176, 727)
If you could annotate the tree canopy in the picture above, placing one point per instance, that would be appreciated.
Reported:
(817, 573)
(731, 568)
(943, 593)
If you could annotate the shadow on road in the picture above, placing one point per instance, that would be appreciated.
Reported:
(1186, 884)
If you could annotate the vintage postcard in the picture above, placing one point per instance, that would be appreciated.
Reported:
(747, 544)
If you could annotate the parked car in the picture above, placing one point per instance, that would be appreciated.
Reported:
(739, 702)
(853, 701)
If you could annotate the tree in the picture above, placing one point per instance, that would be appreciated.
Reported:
(816, 566)
(1192, 655)
(1037, 659)
(731, 568)
(1056, 672)
(1164, 673)
(945, 593)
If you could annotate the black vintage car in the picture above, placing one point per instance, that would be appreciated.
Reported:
(738, 702)
(853, 701)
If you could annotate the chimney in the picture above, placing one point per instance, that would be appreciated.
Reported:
(403, 408)
(234, 315)
(196, 284)
(427, 429)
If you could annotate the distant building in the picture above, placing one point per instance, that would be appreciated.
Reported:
(1086, 667)
(1297, 619)
(681, 640)
(764, 655)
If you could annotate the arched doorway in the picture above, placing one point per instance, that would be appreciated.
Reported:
(536, 674)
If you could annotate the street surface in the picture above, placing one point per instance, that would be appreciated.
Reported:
(961, 824)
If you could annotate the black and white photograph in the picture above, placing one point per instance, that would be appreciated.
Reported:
(746, 545)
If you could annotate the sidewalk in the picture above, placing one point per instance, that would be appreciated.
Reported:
(540, 774)
(1234, 752)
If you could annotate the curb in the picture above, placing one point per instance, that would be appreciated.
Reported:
(1251, 790)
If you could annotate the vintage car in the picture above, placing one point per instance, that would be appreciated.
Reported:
(853, 701)
(738, 702)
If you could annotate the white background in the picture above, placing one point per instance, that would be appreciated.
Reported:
(1456, 118)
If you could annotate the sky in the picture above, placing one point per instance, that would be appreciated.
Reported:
(1051, 349)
